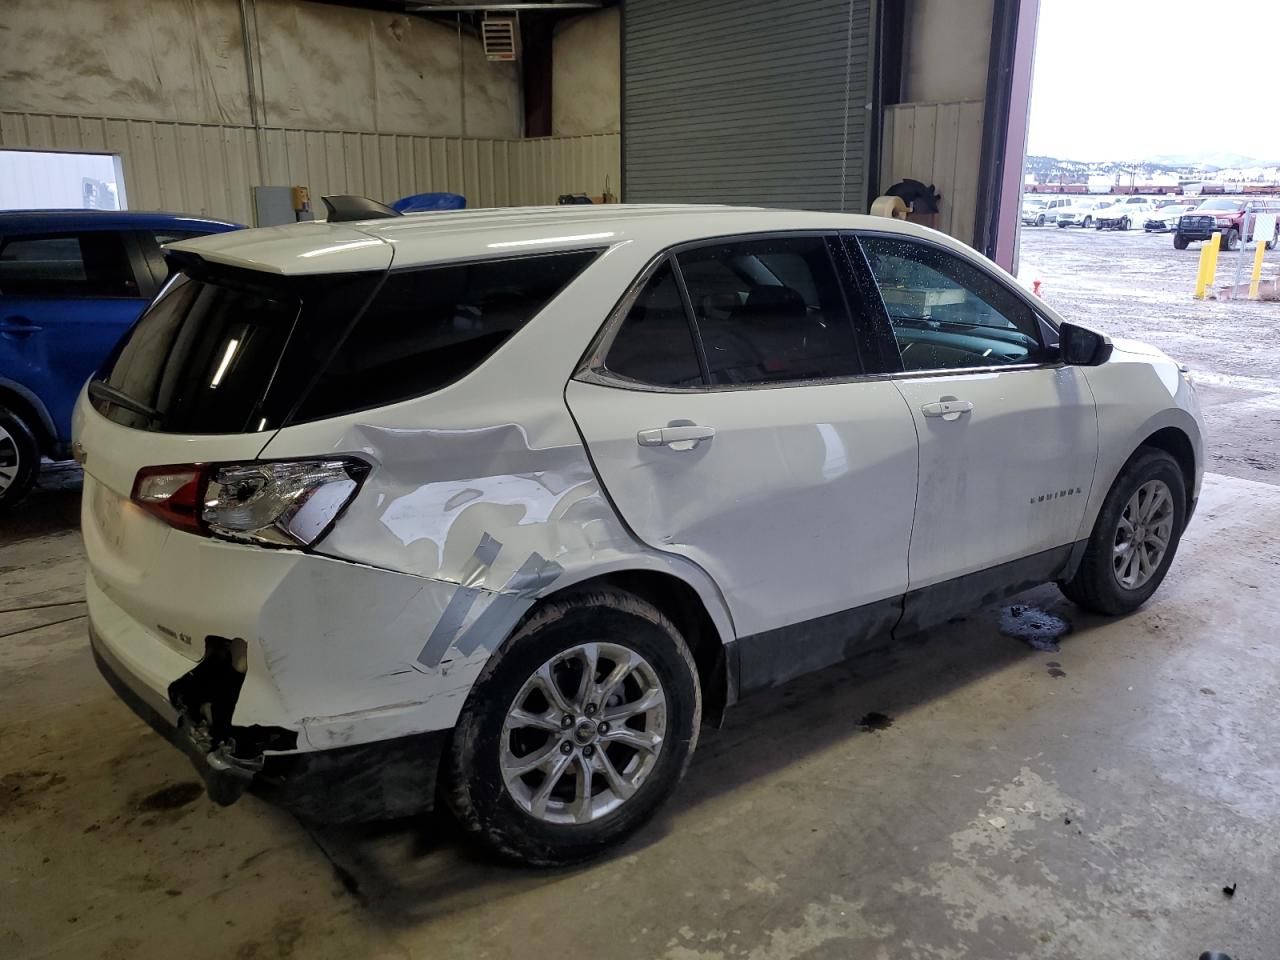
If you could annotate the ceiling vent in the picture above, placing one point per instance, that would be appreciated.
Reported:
(501, 37)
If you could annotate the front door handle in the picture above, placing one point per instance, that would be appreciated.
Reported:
(677, 438)
(947, 409)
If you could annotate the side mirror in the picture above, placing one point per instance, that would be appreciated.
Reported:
(1082, 347)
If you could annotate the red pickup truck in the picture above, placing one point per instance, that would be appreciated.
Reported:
(1226, 214)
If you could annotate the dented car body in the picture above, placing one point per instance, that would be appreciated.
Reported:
(341, 475)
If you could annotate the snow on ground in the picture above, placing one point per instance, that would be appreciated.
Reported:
(1136, 285)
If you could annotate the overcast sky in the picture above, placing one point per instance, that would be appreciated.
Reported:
(1097, 93)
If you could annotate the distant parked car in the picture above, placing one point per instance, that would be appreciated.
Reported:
(1226, 215)
(71, 283)
(1166, 217)
(1124, 213)
(1079, 212)
(1037, 211)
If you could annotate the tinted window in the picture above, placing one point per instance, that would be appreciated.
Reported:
(947, 312)
(201, 356)
(427, 328)
(91, 264)
(770, 311)
(654, 344)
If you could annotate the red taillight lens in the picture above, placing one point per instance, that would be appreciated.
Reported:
(173, 493)
(271, 503)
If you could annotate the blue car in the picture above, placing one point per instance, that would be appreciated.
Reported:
(71, 283)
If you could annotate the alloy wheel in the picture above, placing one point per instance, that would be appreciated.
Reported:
(583, 733)
(1143, 534)
(10, 459)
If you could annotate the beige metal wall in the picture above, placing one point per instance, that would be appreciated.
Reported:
(209, 169)
(941, 144)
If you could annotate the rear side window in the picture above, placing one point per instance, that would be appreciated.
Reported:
(90, 264)
(654, 345)
(427, 328)
(770, 311)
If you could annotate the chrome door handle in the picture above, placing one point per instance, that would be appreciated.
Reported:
(947, 409)
(678, 438)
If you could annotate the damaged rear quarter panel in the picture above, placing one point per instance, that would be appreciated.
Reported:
(481, 492)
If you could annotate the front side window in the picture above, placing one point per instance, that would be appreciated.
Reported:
(948, 313)
(91, 264)
(428, 327)
(769, 311)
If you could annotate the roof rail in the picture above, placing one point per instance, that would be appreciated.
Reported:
(347, 207)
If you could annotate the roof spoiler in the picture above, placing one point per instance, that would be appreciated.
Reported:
(346, 208)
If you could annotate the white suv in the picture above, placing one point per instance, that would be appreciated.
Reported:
(501, 506)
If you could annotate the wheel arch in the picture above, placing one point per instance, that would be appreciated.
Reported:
(28, 406)
(1175, 442)
(703, 622)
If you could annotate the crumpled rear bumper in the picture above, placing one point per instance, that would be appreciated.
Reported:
(390, 778)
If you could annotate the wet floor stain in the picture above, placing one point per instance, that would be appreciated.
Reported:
(1055, 669)
(171, 797)
(875, 721)
(1039, 630)
(22, 787)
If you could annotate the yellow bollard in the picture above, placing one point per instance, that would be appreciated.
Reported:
(1208, 265)
(1257, 271)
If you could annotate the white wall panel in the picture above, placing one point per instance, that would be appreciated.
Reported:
(210, 169)
(938, 143)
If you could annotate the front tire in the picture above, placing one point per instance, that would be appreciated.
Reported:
(1134, 538)
(19, 458)
(549, 769)
(1231, 239)
(1088, 222)
(1124, 223)
(1040, 221)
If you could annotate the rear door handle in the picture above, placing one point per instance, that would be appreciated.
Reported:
(677, 438)
(947, 409)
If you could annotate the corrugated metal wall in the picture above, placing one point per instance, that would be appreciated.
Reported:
(209, 169)
(938, 143)
(747, 101)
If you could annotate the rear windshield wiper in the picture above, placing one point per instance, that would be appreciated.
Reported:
(101, 390)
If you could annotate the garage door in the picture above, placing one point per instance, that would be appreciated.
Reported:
(746, 101)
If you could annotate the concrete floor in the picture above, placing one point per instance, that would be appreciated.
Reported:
(1082, 803)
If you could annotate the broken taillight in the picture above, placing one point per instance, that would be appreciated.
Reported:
(272, 503)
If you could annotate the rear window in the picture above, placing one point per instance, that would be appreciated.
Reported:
(223, 350)
(428, 327)
(201, 357)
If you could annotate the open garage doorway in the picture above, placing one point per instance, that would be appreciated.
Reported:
(39, 179)
(1136, 151)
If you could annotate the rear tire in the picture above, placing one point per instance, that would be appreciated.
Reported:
(1098, 583)
(19, 458)
(1179, 242)
(505, 721)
